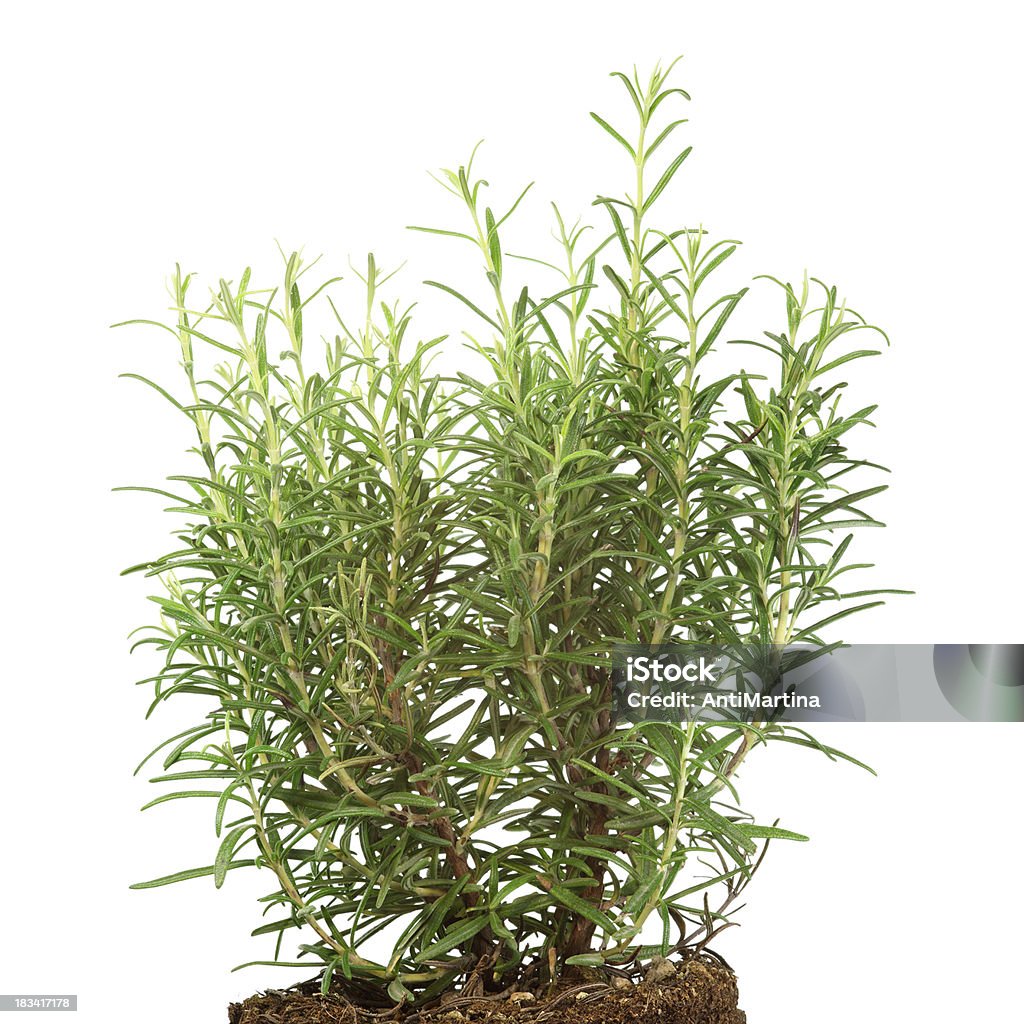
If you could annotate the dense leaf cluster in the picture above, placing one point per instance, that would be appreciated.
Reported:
(394, 593)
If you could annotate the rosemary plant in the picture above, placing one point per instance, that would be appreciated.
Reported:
(394, 593)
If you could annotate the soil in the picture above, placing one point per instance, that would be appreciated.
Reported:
(696, 990)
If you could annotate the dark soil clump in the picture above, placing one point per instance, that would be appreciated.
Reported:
(698, 990)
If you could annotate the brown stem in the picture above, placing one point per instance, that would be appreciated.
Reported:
(582, 931)
(483, 942)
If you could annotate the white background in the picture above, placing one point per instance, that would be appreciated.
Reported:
(877, 144)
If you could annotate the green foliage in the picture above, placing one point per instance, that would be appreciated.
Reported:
(395, 593)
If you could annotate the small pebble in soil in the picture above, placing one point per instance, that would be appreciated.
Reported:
(659, 970)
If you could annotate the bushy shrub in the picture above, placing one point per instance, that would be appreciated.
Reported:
(394, 592)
